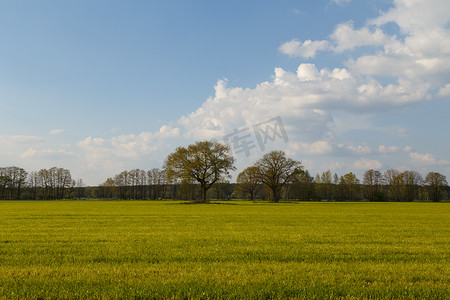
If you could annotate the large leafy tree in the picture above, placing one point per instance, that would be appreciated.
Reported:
(248, 181)
(395, 183)
(412, 181)
(436, 184)
(205, 162)
(275, 170)
(372, 183)
(349, 186)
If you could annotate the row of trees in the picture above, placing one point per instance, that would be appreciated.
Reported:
(404, 186)
(277, 176)
(134, 184)
(54, 183)
(390, 186)
(202, 171)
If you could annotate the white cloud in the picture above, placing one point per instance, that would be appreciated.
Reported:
(360, 149)
(407, 149)
(426, 159)
(50, 154)
(99, 152)
(305, 100)
(444, 91)
(340, 2)
(366, 164)
(12, 145)
(306, 49)
(418, 59)
(345, 37)
(8, 140)
(168, 132)
(423, 51)
(29, 153)
(318, 147)
(418, 158)
(416, 15)
(388, 150)
(56, 131)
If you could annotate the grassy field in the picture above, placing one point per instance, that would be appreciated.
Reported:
(137, 249)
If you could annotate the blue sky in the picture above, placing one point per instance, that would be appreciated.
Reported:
(102, 86)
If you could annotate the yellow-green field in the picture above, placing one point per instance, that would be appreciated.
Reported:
(138, 249)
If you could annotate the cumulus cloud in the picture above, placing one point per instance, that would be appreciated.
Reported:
(418, 58)
(407, 149)
(345, 37)
(388, 149)
(366, 164)
(168, 132)
(98, 151)
(426, 159)
(306, 49)
(360, 149)
(318, 147)
(444, 91)
(305, 99)
(423, 50)
(416, 15)
(11, 145)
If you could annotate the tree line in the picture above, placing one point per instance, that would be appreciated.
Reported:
(276, 176)
(51, 184)
(375, 186)
(201, 172)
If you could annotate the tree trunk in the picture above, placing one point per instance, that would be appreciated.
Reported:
(275, 194)
(204, 191)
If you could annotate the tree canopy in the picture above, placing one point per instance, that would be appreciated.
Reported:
(436, 182)
(275, 170)
(249, 181)
(205, 162)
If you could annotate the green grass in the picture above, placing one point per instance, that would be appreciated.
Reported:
(137, 249)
